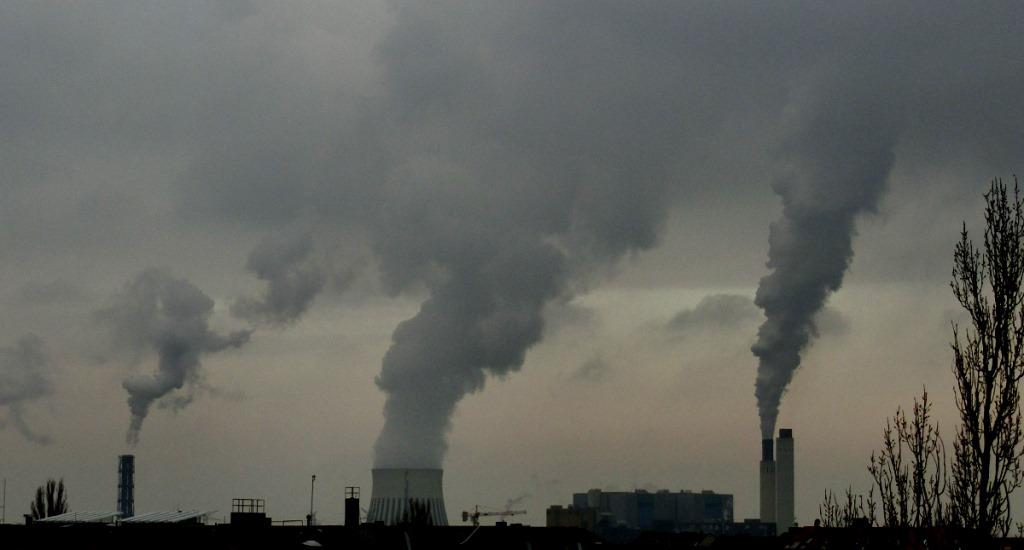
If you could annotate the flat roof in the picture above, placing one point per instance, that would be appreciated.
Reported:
(81, 517)
(166, 517)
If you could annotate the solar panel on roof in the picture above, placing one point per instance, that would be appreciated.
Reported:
(166, 517)
(81, 517)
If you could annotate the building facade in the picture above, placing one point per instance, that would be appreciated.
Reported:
(659, 511)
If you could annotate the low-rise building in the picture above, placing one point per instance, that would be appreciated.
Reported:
(661, 510)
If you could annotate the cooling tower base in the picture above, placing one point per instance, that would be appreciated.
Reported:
(407, 496)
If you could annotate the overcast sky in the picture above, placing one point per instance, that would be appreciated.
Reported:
(521, 240)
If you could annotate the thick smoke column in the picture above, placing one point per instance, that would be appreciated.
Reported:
(159, 313)
(24, 377)
(504, 195)
(481, 321)
(294, 277)
(841, 155)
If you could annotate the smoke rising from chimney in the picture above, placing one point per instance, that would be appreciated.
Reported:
(158, 313)
(505, 197)
(481, 321)
(24, 377)
(840, 156)
(294, 277)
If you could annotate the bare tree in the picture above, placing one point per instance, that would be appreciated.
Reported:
(51, 500)
(928, 470)
(910, 470)
(852, 510)
(988, 366)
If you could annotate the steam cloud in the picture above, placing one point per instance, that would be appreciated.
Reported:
(717, 310)
(506, 196)
(841, 153)
(24, 377)
(293, 275)
(478, 322)
(545, 139)
(157, 313)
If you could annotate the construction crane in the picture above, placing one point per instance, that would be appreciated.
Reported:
(476, 514)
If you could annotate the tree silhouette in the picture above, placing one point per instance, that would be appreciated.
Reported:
(988, 366)
(850, 510)
(916, 486)
(910, 470)
(51, 500)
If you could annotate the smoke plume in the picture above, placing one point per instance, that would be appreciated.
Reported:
(478, 322)
(293, 275)
(840, 156)
(505, 196)
(24, 377)
(159, 314)
(717, 311)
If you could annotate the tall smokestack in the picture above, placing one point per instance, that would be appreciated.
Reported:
(126, 486)
(767, 481)
(784, 475)
(402, 495)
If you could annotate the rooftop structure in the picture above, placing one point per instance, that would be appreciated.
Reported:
(249, 511)
(67, 518)
(187, 516)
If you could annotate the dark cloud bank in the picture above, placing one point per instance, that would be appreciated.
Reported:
(507, 155)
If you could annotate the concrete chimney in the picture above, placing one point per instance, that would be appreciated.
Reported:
(126, 486)
(767, 481)
(403, 495)
(784, 474)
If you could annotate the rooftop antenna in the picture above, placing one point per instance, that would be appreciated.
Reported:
(3, 506)
(312, 486)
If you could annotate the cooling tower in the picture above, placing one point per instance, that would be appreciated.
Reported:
(407, 496)
(767, 481)
(126, 486)
(784, 481)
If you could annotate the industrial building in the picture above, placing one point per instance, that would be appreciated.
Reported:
(777, 480)
(406, 495)
(643, 510)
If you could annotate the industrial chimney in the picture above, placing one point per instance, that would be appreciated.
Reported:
(767, 481)
(407, 496)
(126, 486)
(351, 506)
(784, 474)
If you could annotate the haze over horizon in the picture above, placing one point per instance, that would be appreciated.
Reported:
(526, 242)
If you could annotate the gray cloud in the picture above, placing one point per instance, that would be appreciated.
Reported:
(593, 370)
(717, 311)
(738, 312)
(516, 501)
(831, 322)
(54, 292)
(25, 376)
(294, 276)
(510, 198)
(158, 313)
(498, 158)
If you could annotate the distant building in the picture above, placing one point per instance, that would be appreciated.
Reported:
(583, 518)
(663, 510)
